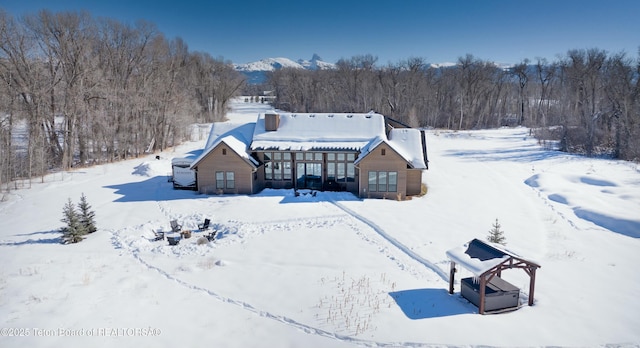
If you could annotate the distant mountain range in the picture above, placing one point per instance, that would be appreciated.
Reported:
(271, 64)
(256, 71)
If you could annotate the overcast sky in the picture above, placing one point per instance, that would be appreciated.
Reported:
(392, 30)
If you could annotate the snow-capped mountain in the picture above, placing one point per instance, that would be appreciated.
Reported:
(268, 64)
(255, 71)
(271, 64)
(316, 63)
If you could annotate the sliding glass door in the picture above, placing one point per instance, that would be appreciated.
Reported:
(309, 175)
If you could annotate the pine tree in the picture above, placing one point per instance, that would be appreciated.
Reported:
(87, 216)
(496, 235)
(74, 230)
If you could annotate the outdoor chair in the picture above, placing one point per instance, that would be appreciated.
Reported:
(211, 236)
(158, 236)
(175, 227)
(173, 240)
(205, 225)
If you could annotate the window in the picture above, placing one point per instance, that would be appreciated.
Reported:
(277, 166)
(225, 180)
(219, 180)
(224, 152)
(231, 180)
(373, 181)
(351, 172)
(383, 181)
(286, 170)
(331, 171)
(393, 181)
(277, 171)
(341, 171)
(340, 167)
(268, 170)
(383, 152)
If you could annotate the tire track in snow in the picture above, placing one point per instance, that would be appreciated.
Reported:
(442, 274)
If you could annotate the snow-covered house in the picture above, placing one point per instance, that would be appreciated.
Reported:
(366, 154)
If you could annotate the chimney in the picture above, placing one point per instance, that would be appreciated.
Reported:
(271, 121)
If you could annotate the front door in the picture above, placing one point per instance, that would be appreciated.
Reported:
(309, 175)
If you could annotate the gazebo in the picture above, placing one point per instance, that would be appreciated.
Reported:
(486, 289)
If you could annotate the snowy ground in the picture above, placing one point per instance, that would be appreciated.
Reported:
(331, 270)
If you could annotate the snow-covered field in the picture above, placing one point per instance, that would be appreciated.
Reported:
(331, 270)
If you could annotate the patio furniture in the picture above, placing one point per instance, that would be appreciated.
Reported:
(173, 240)
(205, 225)
(175, 227)
(158, 236)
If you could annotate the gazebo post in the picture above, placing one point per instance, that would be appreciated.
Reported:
(452, 275)
(532, 284)
(483, 284)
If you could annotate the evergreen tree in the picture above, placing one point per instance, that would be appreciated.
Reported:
(87, 216)
(74, 230)
(496, 235)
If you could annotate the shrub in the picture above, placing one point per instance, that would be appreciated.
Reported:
(87, 216)
(496, 235)
(74, 231)
(78, 223)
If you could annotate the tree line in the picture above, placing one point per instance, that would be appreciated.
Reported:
(588, 100)
(76, 90)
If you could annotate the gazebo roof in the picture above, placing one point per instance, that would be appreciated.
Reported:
(479, 257)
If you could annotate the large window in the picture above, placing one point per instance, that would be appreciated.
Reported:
(225, 180)
(383, 181)
(308, 156)
(340, 167)
(277, 166)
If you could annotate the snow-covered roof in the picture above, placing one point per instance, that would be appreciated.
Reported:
(479, 257)
(408, 143)
(321, 131)
(236, 135)
(360, 132)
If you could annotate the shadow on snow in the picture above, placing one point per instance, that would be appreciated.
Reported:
(159, 188)
(54, 240)
(430, 303)
(307, 196)
(628, 228)
(530, 153)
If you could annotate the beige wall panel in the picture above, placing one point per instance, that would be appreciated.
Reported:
(216, 161)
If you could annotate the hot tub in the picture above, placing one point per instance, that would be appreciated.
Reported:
(499, 294)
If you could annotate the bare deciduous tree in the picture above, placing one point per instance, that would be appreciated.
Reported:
(590, 96)
(97, 90)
